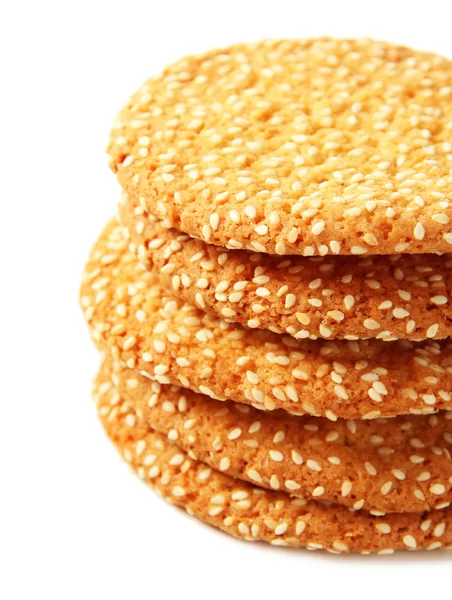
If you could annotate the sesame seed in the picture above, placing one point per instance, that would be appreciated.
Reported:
(432, 330)
(439, 530)
(349, 302)
(291, 485)
(296, 457)
(386, 488)
(262, 292)
(325, 331)
(250, 211)
(383, 528)
(279, 437)
(300, 527)
(254, 475)
(419, 231)
(234, 434)
(313, 465)
(239, 495)
(400, 313)
(254, 427)
(243, 528)
(370, 468)
(318, 227)
(261, 229)
(346, 488)
(437, 489)
(225, 463)
(303, 318)
(340, 392)
(340, 546)
(336, 315)
(290, 300)
(276, 455)
(252, 377)
(371, 324)
(410, 542)
(281, 528)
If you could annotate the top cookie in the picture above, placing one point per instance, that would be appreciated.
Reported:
(308, 147)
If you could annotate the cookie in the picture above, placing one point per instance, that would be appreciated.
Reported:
(401, 464)
(147, 329)
(383, 297)
(307, 147)
(247, 511)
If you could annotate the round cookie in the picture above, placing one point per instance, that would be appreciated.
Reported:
(307, 147)
(145, 328)
(401, 464)
(383, 297)
(247, 511)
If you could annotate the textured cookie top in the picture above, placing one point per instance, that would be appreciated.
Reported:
(308, 147)
(144, 327)
(349, 297)
(402, 464)
(251, 512)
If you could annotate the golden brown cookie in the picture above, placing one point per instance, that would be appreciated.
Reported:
(145, 328)
(401, 464)
(307, 147)
(384, 297)
(247, 511)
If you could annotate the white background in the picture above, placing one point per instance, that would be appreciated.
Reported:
(73, 522)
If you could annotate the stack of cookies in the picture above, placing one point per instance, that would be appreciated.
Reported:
(272, 302)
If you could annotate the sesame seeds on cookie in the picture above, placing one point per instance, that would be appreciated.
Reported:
(253, 513)
(312, 147)
(386, 465)
(350, 297)
(143, 327)
(272, 306)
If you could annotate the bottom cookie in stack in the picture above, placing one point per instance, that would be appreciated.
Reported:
(251, 512)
